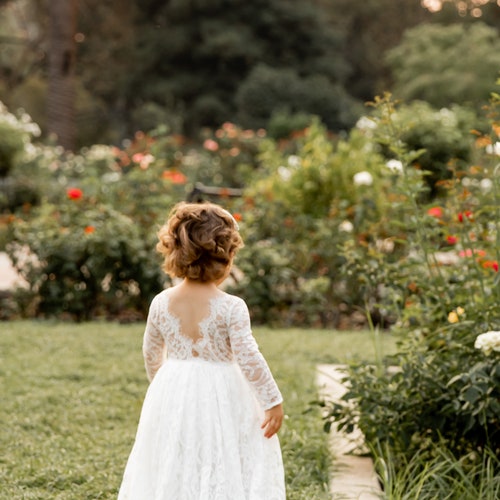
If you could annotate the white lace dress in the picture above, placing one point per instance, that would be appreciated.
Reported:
(199, 435)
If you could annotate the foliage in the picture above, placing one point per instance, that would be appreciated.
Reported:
(72, 393)
(371, 28)
(443, 291)
(446, 64)
(82, 262)
(15, 133)
(88, 250)
(93, 254)
(267, 90)
(443, 136)
(442, 476)
(302, 202)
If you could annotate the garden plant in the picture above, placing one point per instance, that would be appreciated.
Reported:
(438, 411)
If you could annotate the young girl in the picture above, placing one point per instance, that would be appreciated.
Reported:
(211, 413)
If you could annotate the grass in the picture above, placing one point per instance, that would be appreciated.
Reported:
(443, 476)
(71, 395)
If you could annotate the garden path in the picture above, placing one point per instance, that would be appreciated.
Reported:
(353, 476)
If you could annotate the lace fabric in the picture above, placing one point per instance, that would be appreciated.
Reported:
(225, 336)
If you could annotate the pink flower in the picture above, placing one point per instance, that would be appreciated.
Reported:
(436, 212)
(74, 193)
(211, 145)
(144, 160)
(451, 240)
(469, 253)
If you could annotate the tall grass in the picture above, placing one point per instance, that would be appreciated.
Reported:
(71, 394)
(442, 477)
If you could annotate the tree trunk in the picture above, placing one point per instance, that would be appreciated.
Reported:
(61, 88)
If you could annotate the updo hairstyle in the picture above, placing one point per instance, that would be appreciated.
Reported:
(198, 241)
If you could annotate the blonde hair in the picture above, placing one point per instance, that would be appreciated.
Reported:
(198, 241)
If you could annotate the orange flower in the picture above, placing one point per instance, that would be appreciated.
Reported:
(174, 176)
(74, 193)
(237, 217)
(482, 142)
(89, 229)
(490, 264)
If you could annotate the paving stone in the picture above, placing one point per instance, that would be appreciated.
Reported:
(353, 476)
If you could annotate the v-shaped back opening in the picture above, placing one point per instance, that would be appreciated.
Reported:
(191, 316)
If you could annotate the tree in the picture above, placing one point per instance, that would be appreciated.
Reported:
(61, 73)
(446, 64)
(371, 28)
(192, 57)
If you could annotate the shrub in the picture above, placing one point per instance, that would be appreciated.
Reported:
(15, 133)
(267, 90)
(303, 201)
(83, 261)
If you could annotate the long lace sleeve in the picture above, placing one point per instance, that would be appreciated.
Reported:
(153, 345)
(251, 361)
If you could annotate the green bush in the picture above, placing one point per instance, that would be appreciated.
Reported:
(445, 65)
(15, 133)
(267, 90)
(304, 200)
(444, 135)
(82, 261)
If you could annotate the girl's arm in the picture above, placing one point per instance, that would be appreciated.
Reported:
(252, 363)
(153, 344)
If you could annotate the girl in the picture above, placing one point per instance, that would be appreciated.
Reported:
(208, 425)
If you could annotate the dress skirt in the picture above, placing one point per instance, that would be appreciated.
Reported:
(199, 438)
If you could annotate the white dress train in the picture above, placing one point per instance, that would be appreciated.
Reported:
(199, 435)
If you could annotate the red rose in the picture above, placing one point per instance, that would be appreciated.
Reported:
(74, 193)
(465, 215)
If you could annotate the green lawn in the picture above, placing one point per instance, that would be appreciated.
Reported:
(70, 397)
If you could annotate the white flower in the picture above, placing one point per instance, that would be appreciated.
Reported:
(346, 226)
(386, 245)
(363, 179)
(487, 342)
(493, 149)
(486, 185)
(284, 173)
(365, 123)
(293, 161)
(447, 117)
(394, 165)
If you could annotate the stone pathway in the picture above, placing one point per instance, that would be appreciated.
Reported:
(353, 476)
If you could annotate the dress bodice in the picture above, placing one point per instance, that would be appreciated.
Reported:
(224, 336)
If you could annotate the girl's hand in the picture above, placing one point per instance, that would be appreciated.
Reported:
(272, 421)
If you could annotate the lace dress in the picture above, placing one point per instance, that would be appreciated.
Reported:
(199, 435)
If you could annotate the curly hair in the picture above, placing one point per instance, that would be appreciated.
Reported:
(198, 241)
